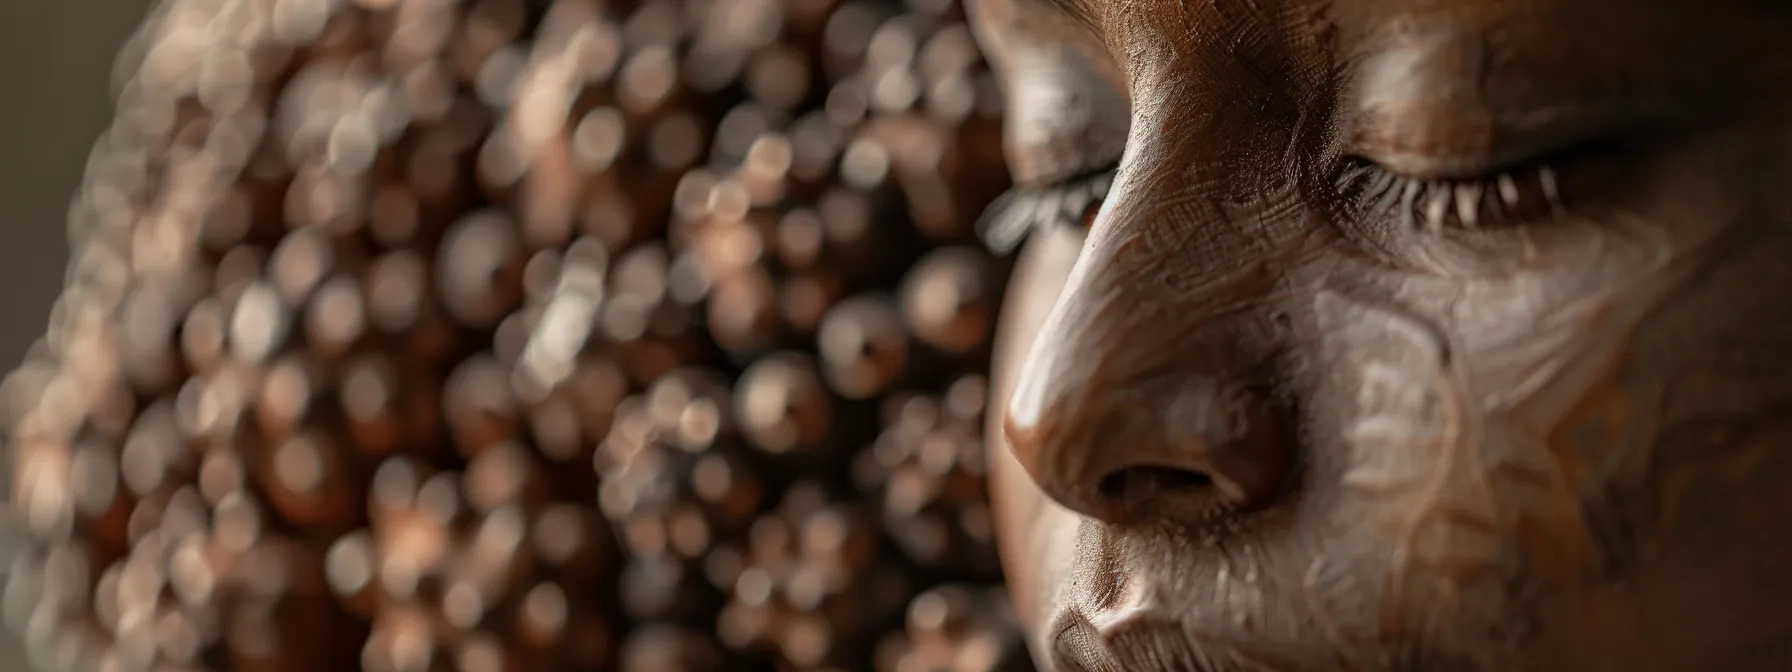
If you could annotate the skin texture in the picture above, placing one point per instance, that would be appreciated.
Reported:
(1411, 335)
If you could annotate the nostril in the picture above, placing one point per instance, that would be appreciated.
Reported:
(1172, 491)
(1197, 451)
(1153, 480)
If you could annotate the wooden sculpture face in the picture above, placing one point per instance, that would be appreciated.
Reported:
(1410, 334)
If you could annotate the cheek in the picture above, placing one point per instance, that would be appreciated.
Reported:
(1717, 360)
(1032, 531)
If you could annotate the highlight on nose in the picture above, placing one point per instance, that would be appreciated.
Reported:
(1189, 450)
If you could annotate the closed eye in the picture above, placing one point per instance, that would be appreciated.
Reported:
(1521, 193)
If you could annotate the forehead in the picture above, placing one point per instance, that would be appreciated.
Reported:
(1589, 22)
(1566, 41)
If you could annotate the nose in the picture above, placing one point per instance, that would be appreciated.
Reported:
(1143, 398)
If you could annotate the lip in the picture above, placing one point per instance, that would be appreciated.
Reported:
(1137, 616)
(1132, 630)
(1144, 639)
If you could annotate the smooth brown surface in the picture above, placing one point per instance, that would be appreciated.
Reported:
(1411, 335)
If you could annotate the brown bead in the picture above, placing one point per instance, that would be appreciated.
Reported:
(573, 543)
(663, 587)
(153, 451)
(484, 652)
(799, 238)
(479, 406)
(730, 489)
(291, 395)
(743, 311)
(598, 139)
(741, 126)
(805, 298)
(479, 269)
(336, 318)
(413, 547)
(209, 410)
(394, 489)
(948, 300)
(779, 77)
(815, 142)
(863, 346)
(765, 171)
(313, 481)
(179, 637)
(542, 616)
(648, 80)
(558, 431)
(396, 218)
(380, 415)
(437, 169)
(228, 220)
(203, 334)
(540, 274)
(675, 142)
(70, 569)
(669, 649)
(221, 473)
(782, 404)
(299, 263)
(505, 474)
(237, 523)
(396, 285)
(149, 349)
(689, 408)
(236, 271)
(403, 640)
(489, 26)
(194, 576)
(352, 566)
(942, 612)
(807, 640)
(610, 213)
(967, 399)
(597, 387)
(489, 569)
(260, 323)
(503, 160)
(514, 333)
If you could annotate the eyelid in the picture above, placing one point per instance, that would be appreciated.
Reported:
(1443, 145)
(1438, 104)
(1063, 117)
(1431, 108)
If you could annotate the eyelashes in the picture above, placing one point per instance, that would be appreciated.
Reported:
(1515, 197)
(1023, 210)
(1518, 196)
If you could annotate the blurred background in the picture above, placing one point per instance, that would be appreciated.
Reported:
(732, 289)
(55, 73)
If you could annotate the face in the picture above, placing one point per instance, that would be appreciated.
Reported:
(1408, 335)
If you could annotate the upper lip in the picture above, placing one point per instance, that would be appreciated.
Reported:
(1133, 639)
(1147, 641)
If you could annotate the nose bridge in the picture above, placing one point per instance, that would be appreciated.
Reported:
(1148, 354)
(1172, 279)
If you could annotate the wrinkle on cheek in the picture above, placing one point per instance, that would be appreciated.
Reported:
(1414, 462)
(1497, 420)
